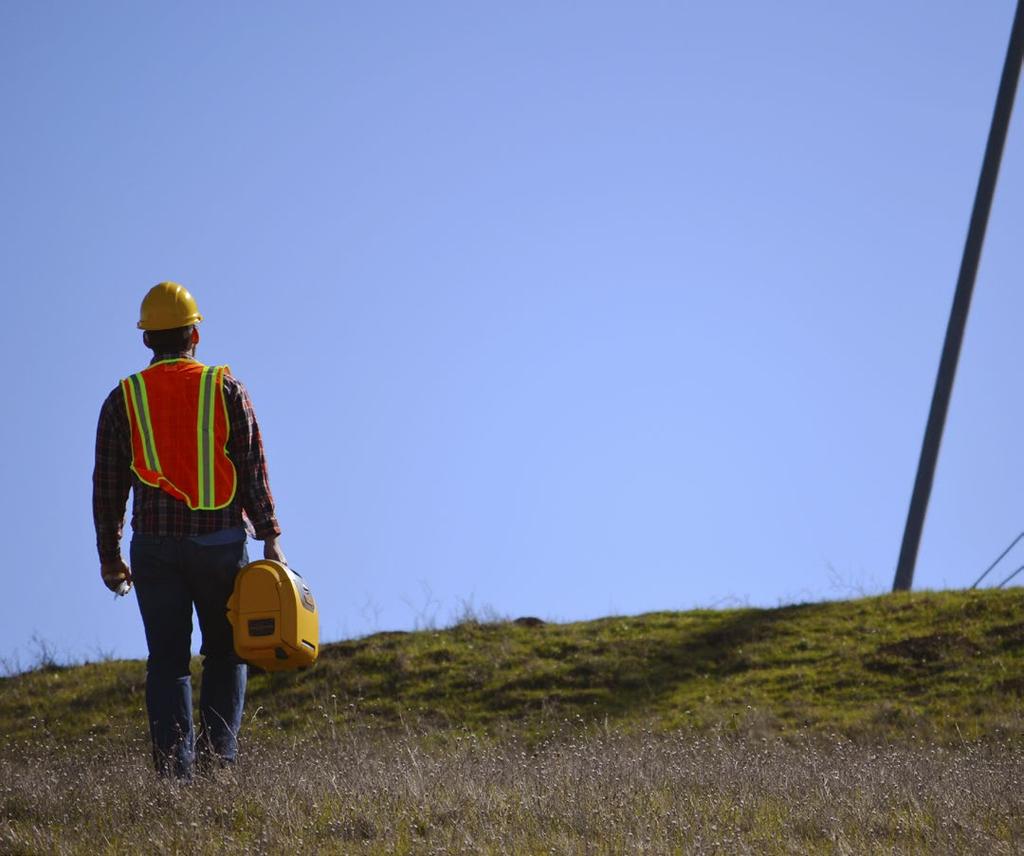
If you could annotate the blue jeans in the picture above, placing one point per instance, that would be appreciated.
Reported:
(170, 575)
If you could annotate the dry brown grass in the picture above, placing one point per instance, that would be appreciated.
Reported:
(589, 790)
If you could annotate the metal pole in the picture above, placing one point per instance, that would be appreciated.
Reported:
(961, 304)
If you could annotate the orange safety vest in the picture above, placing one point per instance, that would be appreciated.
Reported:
(179, 422)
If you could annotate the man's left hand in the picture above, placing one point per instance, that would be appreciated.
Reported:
(272, 550)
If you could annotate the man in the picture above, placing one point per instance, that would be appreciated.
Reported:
(182, 436)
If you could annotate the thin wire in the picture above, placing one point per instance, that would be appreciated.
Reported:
(1002, 555)
(1004, 582)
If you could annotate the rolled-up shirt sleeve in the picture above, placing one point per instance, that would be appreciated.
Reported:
(111, 476)
(245, 446)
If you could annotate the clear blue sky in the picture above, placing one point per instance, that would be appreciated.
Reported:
(559, 309)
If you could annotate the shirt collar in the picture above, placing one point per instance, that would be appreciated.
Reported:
(183, 355)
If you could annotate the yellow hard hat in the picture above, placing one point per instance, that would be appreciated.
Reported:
(168, 305)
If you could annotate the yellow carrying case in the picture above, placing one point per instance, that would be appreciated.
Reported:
(274, 617)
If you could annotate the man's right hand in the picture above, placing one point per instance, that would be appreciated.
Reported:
(114, 573)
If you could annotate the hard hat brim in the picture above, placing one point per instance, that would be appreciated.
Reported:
(154, 327)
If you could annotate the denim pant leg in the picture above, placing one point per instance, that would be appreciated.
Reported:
(166, 606)
(212, 571)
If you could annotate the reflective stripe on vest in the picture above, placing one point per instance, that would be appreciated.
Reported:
(140, 403)
(204, 437)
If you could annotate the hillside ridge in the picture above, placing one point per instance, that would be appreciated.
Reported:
(945, 665)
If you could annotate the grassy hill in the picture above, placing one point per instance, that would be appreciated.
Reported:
(946, 666)
(883, 725)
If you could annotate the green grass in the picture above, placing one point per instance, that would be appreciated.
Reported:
(945, 666)
(882, 725)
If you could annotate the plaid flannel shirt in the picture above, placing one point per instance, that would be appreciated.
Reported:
(156, 512)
